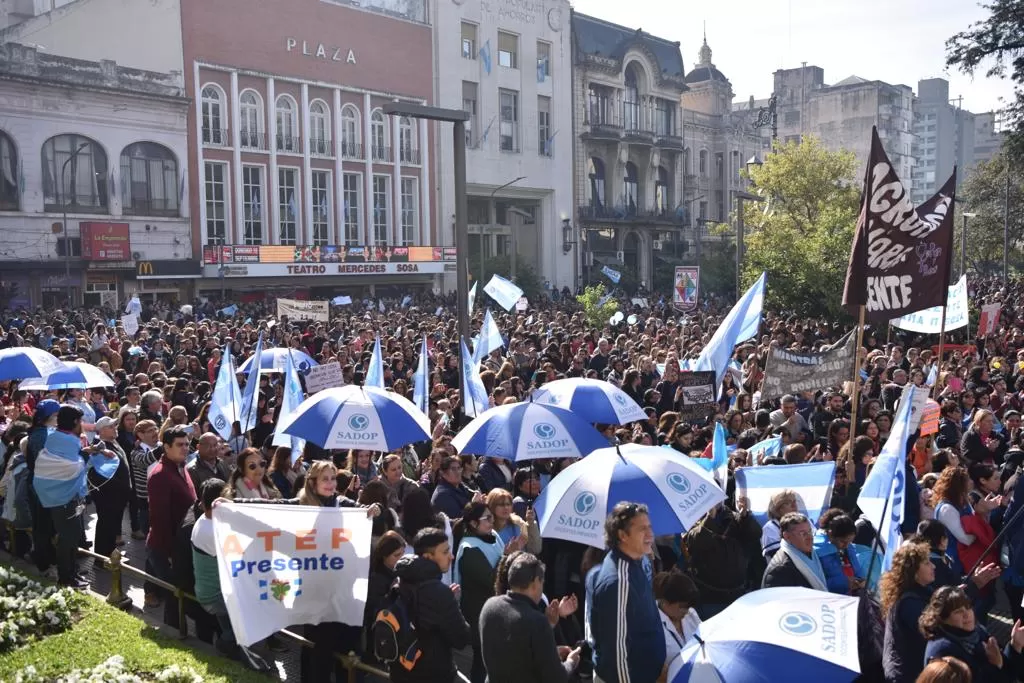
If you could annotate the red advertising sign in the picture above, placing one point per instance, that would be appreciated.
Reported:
(105, 241)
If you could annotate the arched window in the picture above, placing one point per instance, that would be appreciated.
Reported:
(595, 171)
(149, 180)
(350, 135)
(379, 136)
(287, 125)
(631, 100)
(703, 161)
(214, 132)
(250, 110)
(630, 187)
(407, 141)
(661, 191)
(74, 174)
(319, 128)
(10, 174)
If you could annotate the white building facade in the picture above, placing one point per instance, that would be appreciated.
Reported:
(508, 63)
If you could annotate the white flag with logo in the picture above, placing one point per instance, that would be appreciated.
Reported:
(282, 565)
(505, 292)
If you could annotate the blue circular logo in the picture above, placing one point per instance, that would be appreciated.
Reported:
(585, 503)
(620, 399)
(221, 422)
(358, 422)
(798, 623)
(304, 367)
(678, 483)
(543, 430)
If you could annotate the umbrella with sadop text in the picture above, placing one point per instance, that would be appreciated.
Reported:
(594, 399)
(74, 375)
(528, 431)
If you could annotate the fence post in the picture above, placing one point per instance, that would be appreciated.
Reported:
(117, 597)
(351, 666)
(182, 621)
(11, 538)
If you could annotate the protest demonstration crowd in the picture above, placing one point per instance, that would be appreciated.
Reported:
(731, 491)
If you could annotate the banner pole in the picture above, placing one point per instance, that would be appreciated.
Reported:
(942, 343)
(855, 398)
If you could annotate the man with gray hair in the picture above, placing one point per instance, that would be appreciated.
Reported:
(515, 636)
(786, 416)
(796, 563)
(152, 406)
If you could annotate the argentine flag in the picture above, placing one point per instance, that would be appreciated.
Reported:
(741, 324)
(60, 470)
(769, 447)
(718, 465)
(490, 339)
(474, 395)
(375, 373)
(812, 483)
(227, 397)
(251, 395)
(421, 381)
(290, 402)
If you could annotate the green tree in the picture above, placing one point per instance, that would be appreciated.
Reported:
(984, 194)
(995, 46)
(597, 313)
(802, 236)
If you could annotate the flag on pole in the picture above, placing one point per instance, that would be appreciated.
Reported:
(611, 274)
(474, 395)
(375, 373)
(227, 397)
(472, 297)
(485, 56)
(490, 339)
(718, 464)
(769, 448)
(134, 305)
(251, 393)
(505, 292)
(290, 401)
(740, 325)
(421, 381)
(812, 483)
(883, 494)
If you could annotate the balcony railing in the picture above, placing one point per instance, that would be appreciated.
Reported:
(287, 143)
(625, 214)
(351, 150)
(143, 206)
(409, 155)
(77, 203)
(645, 120)
(321, 147)
(381, 153)
(216, 136)
(253, 140)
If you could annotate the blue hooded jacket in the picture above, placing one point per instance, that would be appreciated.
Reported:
(833, 564)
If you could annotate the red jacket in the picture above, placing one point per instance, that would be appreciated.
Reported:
(171, 493)
(983, 533)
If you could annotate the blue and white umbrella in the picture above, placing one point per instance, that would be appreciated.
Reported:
(27, 361)
(276, 359)
(74, 375)
(528, 431)
(593, 399)
(773, 630)
(676, 491)
(357, 417)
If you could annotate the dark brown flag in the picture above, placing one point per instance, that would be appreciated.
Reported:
(901, 254)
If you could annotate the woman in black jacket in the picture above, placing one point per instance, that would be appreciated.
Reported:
(386, 554)
(905, 590)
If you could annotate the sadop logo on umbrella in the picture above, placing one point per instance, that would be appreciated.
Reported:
(620, 399)
(543, 430)
(358, 429)
(798, 624)
(584, 503)
(678, 483)
(545, 433)
(359, 422)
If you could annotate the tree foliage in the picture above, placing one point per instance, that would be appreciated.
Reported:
(802, 235)
(596, 312)
(995, 47)
(984, 194)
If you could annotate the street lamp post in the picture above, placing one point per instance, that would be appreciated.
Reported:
(489, 202)
(64, 223)
(740, 198)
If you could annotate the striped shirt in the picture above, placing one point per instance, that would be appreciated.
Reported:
(142, 461)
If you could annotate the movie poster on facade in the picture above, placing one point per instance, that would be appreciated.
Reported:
(900, 261)
(787, 372)
(686, 292)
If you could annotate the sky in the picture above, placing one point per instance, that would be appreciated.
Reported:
(896, 41)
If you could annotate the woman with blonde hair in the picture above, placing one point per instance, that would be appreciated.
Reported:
(176, 417)
(509, 526)
(981, 442)
(905, 591)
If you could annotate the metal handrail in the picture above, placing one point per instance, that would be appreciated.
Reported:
(117, 597)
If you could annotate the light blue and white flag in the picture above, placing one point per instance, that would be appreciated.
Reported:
(342, 301)
(474, 395)
(229, 310)
(375, 373)
(740, 325)
(718, 465)
(933, 375)
(811, 481)
(134, 306)
(769, 448)
(882, 496)
(251, 395)
(611, 274)
(421, 381)
(226, 402)
(604, 299)
(60, 470)
(290, 402)
(406, 300)
(472, 299)
(485, 56)
(489, 340)
(505, 292)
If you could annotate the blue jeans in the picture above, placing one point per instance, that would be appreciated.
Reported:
(142, 513)
(159, 565)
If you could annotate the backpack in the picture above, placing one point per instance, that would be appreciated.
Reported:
(393, 633)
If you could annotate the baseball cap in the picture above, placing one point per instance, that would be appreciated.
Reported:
(105, 422)
(46, 409)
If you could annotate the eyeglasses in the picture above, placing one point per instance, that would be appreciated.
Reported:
(255, 466)
(487, 518)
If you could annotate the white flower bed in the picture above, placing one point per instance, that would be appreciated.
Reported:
(111, 671)
(30, 610)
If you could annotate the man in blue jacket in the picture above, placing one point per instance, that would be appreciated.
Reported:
(628, 643)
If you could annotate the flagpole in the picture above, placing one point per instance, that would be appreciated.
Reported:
(855, 398)
(942, 343)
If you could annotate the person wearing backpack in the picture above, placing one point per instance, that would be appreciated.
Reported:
(426, 621)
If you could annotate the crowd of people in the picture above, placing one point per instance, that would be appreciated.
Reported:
(456, 538)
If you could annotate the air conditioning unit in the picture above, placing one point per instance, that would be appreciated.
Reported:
(620, 257)
(657, 245)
